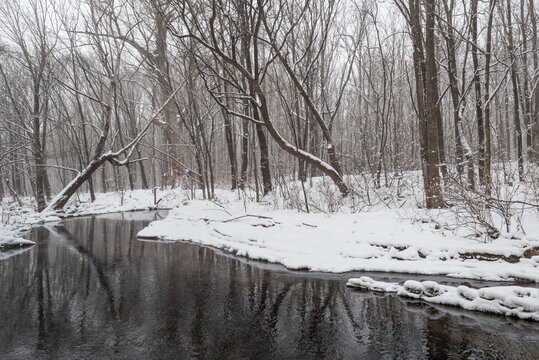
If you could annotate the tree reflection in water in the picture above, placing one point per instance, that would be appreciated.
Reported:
(90, 289)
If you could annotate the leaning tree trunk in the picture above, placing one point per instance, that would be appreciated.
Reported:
(63, 197)
(100, 157)
(325, 129)
(310, 159)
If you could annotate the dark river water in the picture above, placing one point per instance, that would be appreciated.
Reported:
(91, 290)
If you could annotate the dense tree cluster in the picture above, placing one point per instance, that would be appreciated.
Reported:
(108, 95)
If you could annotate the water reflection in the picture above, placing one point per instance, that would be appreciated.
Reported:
(91, 290)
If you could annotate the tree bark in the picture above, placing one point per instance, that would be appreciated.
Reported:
(252, 65)
(525, 96)
(416, 34)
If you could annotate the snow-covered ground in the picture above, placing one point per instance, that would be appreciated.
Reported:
(521, 302)
(370, 241)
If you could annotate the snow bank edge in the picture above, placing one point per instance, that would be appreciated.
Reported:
(513, 301)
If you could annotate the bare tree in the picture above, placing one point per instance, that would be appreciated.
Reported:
(535, 80)
(477, 88)
(463, 150)
(202, 28)
(426, 95)
(28, 32)
(516, 85)
(231, 84)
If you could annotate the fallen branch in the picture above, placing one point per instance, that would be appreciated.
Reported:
(248, 215)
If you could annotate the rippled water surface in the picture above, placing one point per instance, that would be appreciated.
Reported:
(91, 290)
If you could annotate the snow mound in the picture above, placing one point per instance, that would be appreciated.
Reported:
(368, 284)
(10, 241)
(199, 210)
(512, 301)
(409, 253)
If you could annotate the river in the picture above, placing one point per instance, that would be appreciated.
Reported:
(91, 290)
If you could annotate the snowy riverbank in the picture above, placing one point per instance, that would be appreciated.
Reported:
(382, 240)
(17, 219)
(397, 238)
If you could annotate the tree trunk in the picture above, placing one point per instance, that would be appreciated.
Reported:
(515, 83)
(229, 136)
(315, 162)
(264, 155)
(143, 178)
(535, 117)
(440, 127)
(434, 192)
(463, 151)
(63, 197)
(478, 96)
(39, 163)
(488, 152)
(244, 151)
(419, 70)
(264, 159)
(426, 99)
(526, 97)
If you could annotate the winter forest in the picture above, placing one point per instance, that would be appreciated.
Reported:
(246, 94)
(394, 136)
